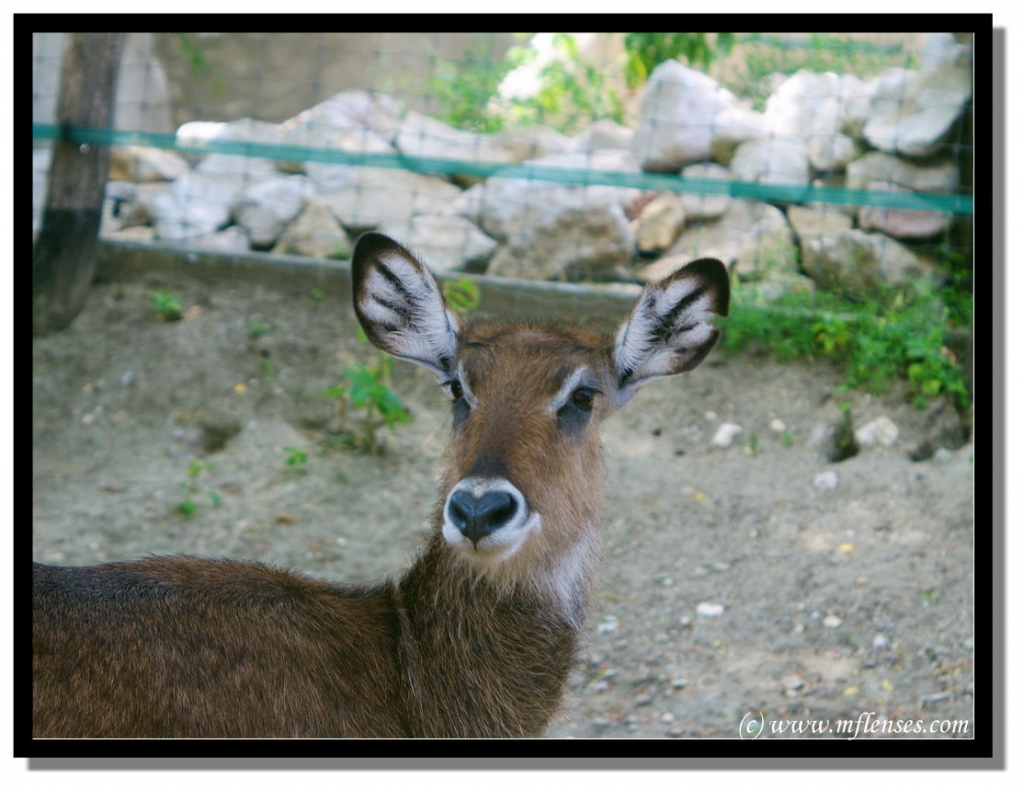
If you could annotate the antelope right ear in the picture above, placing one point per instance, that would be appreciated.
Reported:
(670, 329)
(400, 306)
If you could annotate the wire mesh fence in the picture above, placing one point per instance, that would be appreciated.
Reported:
(813, 165)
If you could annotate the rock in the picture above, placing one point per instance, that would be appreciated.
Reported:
(682, 111)
(534, 142)
(940, 178)
(266, 208)
(198, 134)
(197, 204)
(135, 233)
(826, 480)
(135, 164)
(809, 107)
(133, 203)
(355, 121)
(792, 682)
(831, 621)
(664, 267)
(659, 223)
(348, 110)
(707, 609)
(445, 242)
(942, 428)
(901, 222)
(880, 642)
(772, 160)
(750, 238)
(860, 263)
(602, 135)
(315, 233)
(725, 434)
(378, 196)
(815, 222)
(551, 230)
(881, 431)
(912, 111)
(230, 239)
(702, 206)
(420, 135)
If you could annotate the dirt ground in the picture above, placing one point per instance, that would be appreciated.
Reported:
(740, 586)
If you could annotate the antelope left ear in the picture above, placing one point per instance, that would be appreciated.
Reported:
(669, 330)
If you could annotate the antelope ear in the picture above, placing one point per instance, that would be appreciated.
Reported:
(669, 330)
(400, 306)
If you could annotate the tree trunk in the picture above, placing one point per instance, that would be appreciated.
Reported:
(64, 256)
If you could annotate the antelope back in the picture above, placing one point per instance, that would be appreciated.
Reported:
(523, 484)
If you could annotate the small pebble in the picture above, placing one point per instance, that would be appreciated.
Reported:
(792, 682)
(609, 625)
(710, 609)
(777, 425)
(826, 480)
(880, 642)
(880, 431)
(725, 433)
(831, 621)
(643, 699)
(679, 682)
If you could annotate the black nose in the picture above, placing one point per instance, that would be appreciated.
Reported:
(478, 517)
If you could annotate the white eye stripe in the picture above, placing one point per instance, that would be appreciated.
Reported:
(571, 384)
(460, 374)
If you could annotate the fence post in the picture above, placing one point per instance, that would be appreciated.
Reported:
(64, 256)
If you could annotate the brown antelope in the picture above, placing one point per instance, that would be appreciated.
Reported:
(476, 639)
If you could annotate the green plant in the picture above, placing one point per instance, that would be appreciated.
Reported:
(464, 90)
(369, 386)
(897, 336)
(257, 329)
(369, 390)
(167, 305)
(644, 51)
(572, 92)
(199, 62)
(295, 459)
(187, 506)
(462, 295)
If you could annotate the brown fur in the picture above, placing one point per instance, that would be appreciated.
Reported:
(462, 645)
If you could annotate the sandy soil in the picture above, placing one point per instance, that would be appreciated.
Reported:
(826, 602)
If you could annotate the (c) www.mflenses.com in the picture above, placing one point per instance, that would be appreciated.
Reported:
(867, 724)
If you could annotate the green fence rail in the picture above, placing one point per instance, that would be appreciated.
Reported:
(954, 204)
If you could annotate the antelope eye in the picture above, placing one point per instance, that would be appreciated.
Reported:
(454, 388)
(583, 398)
